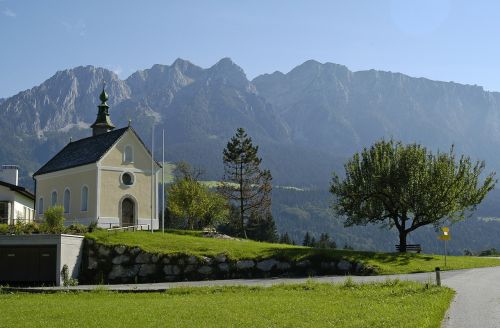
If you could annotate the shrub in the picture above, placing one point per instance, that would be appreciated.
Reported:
(20, 228)
(4, 229)
(67, 280)
(92, 226)
(76, 229)
(54, 219)
(489, 252)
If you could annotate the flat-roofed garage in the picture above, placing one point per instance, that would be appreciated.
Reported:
(32, 260)
(28, 264)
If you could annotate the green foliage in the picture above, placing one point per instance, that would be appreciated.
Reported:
(323, 242)
(407, 187)
(401, 304)
(285, 239)
(216, 209)
(67, 279)
(307, 240)
(318, 218)
(54, 219)
(190, 200)
(21, 228)
(92, 226)
(31, 227)
(248, 188)
(76, 229)
(489, 252)
(262, 228)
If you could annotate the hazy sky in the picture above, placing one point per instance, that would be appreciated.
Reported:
(444, 40)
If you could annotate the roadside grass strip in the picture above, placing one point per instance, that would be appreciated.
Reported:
(392, 303)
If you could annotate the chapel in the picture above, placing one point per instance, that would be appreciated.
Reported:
(108, 178)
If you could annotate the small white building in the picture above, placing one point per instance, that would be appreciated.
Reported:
(16, 203)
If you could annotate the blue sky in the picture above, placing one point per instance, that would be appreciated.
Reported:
(438, 39)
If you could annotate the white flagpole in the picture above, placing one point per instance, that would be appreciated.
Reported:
(163, 181)
(152, 174)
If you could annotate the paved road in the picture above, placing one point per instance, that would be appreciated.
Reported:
(159, 287)
(476, 304)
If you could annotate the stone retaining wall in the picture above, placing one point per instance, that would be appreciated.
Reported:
(121, 264)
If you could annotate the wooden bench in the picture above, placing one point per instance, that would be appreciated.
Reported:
(411, 248)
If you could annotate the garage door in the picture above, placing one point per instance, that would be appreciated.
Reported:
(28, 265)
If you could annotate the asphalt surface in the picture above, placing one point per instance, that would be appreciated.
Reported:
(476, 304)
(162, 286)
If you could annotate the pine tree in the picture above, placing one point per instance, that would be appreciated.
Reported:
(261, 224)
(285, 239)
(307, 239)
(262, 228)
(252, 194)
(325, 241)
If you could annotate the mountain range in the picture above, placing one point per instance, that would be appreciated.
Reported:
(306, 122)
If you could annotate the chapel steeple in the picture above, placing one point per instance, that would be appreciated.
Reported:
(102, 123)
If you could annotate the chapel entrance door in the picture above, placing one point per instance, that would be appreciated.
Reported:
(128, 210)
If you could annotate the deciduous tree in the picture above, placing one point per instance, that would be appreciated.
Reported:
(407, 187)
(194, 202)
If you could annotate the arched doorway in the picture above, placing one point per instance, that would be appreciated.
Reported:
(128, 210)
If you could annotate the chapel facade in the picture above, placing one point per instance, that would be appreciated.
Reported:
(108, 178)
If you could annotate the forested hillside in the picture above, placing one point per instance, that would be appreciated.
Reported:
(297, 212)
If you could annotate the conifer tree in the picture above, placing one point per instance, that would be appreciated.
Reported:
(307, 239)
(262, 228)
(285, 239)
(248, 188)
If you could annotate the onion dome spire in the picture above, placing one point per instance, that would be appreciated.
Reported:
(102, 123)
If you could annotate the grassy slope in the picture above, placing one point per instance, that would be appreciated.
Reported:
(188, 243)
(390, 304)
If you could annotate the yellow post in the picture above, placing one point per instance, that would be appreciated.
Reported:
(445, 237)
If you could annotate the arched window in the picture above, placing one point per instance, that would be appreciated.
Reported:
(67, 200)
(85, 199)
(40, 205)
(53, 200)
(128, 154)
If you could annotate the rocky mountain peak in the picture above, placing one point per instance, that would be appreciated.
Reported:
(319, 109)
(68, 98)
(227, 72)
(163, 79)
(183, 65)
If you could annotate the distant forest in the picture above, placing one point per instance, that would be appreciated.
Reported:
(297, 212)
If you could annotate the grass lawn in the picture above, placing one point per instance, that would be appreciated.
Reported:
(189, 242)
(389, 304)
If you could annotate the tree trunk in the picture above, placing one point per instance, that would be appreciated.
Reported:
(402, 241)
(241, 203)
